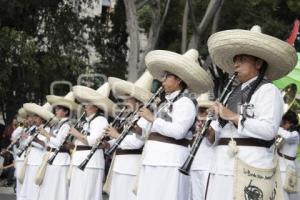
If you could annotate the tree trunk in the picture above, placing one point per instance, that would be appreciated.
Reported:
(184, 27)
(134, 42)
(156, 26)
(216, 19)
(202, 27)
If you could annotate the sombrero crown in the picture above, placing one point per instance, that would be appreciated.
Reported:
(42, 111)
(280, 56)
(139, 90)
(185, 66)
(97, 97)
(204, 101)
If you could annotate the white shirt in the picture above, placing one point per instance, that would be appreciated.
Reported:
(96, 130)
(289, 148)
(37, 151)
(164, 154)
(268, 109)
(130, 163)
(204, 156)
(58, 140)
(15, 135)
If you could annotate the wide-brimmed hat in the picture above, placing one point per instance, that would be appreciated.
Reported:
(139, 90)
(66, 101)
(99, 97)
(185, 66)
(42, 111)
(280, 56)
(22, 113)
(204, 101)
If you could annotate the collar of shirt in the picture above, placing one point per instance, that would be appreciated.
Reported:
(248, 82)
(90, 117)
(170, 97)
(63, 120)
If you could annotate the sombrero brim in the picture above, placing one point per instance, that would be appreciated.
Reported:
(280, 56)
(61, 101)
(86, 95)
(22, 113)
(160, 61)
(205, 104)
(120, 87)
(38, 110)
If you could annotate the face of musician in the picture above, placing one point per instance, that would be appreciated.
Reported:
(247, 67)
(131, 103)
(38, 120)
(30, 121)
(90, 109)
(171, 83)
(61, 112)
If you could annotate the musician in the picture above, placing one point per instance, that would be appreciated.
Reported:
(87, 184)
(36, 151)
(171, 131)
(246, 127)
(287, 153)
(204, 156)
(54, 186)
(20, 132)
(127, 160)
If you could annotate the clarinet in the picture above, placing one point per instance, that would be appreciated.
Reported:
(51, 159)
(35, 134)
(100, 141)
(185, 168)
(128, 127)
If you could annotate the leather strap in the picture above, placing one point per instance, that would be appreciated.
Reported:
(129, 151)
(247, 142)
(286, 156)
(62, 150)
(161, 138)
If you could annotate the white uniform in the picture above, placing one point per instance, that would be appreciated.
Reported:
(87, 184)
(18, 160)
(291, 142)
(54, 186)
(125, 169)
(29, 189)
(159, 176)
(200, 170)
(268, 109)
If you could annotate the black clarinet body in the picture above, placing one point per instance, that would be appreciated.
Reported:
(51, 159)
(185, 168)
(128, 127)
(99, 141)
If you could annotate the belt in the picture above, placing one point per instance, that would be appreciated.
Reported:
(247, 142)
(84, 148)
(161, 138)
(286, 156)
(129, 151)
(61, 150)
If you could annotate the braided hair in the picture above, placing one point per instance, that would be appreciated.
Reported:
(256, 83)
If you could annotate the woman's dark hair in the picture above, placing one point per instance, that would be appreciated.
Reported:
(65, 109)
(291, 117)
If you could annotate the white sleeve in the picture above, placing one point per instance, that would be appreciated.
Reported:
(96, 129)
(16, 133)
(289, 137)
(268, 109)
(61, 135)
(183, 116)
(131, 142)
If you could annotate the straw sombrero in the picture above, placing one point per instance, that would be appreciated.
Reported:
(139, 90)
(99, 97)
(42, 111)
(22, 113)
(185, 66)
(204, 101)
(280, 56)
(66, 101)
